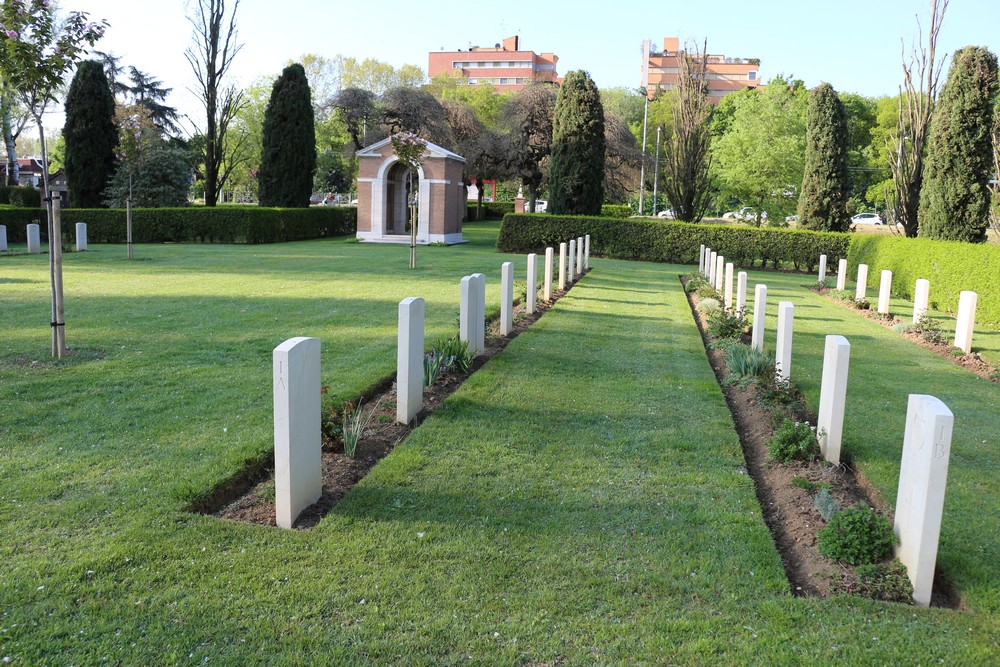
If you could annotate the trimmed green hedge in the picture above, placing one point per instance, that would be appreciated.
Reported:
(17, 195)
(950, 266)
(678, 242)
(615, 211)
(492, 210)
(221, 224)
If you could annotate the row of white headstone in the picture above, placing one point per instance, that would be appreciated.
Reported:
(35, 238)
(296, 372)
(967, 300)
(926, 441)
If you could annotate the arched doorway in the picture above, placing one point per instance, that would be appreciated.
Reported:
(398, 195)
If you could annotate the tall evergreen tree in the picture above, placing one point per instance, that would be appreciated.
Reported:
(576, 171)
(90, 135)
(955, 199)
(825, 181)
(288, 155)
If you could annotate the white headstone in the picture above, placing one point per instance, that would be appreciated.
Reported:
(966, 321)
(884, 290)
(759, 315)
(701, 259)
(783, 346)
(586, 251)
(712, 256)
(741, 291)
(532, 289)
(410, 359)
(571, 272)
(842, 275)
(861, 291)
(547, 290)
(720, 270)
(832, 397)
(923, 474)
(479, 313)
(34, 239)
(506, 298)
(562, 266)
(81, 236)
(298, 441)
(579, 255)
(466, 309)
(729, 285)
(3, 238)
(822, 268)
(921, 298)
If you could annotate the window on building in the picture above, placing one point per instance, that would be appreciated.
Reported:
(752, 75)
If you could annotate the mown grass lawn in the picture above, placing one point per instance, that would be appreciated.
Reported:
(580, 500)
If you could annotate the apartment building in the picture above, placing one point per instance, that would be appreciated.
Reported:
(504, 66)
(725, 75)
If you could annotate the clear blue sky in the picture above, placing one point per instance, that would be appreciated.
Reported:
(853, 44)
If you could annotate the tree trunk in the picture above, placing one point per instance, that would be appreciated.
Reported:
(13, 168)
(55, 252)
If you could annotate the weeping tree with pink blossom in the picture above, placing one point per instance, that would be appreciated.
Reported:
(38, 49)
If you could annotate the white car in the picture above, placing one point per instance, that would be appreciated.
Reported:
(745, 213)
(541, 205)
(867, 219)
(669, 213)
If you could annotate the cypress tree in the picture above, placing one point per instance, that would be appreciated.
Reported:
(576, 170)
(955, 199)
(90, 134)
(288, 153)
(825, 182)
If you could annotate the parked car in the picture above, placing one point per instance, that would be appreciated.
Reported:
(669, 214)
(867, 219)
(791, 218)
(541, 205)
(745, 213)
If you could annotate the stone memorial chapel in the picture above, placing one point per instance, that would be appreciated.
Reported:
(383, 193)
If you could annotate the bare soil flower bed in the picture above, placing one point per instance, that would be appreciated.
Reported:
(788, 509)
(972, 362)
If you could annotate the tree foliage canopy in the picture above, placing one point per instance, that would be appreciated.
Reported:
(825, 183)
(90, 134)
(288, 152)
(955, 198)
(576, 176)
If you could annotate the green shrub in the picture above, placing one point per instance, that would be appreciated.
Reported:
(24, 197)
(885, 581)
(826, 504)
(950, 266)
(803, 483)
(857, 536)
(695, 283)
(616, 211)
(444, 355)
(902, 327)
(707, 291)
(727, 323)
(668, 241)
(709, 305)
(492, 210)
(220, 224)
(744, 361)
(793, 441)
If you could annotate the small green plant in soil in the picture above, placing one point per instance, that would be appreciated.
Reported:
(957, 352)
(822, 284)
(354, 425)
(885, 581)
(708, 305)
(902, 327)
(776, 393)
(803, 483)
(858, 536)
(826, 504)
(793, 441)
(449, 353)
(862, 304)
(707, 291)
(928, 329)
(727, 323)
(695, 282)
(842, 295)
(746, 362)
